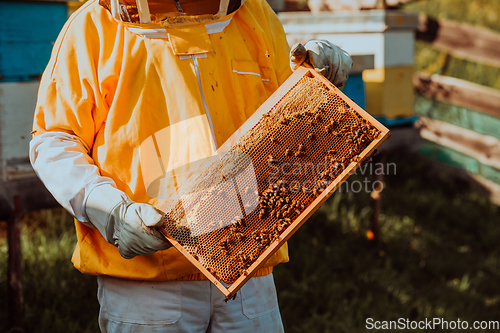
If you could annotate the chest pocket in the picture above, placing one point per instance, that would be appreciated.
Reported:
(254, 85)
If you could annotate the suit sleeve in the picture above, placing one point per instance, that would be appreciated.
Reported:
(68, 113)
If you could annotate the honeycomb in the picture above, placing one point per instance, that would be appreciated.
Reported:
(262, 184)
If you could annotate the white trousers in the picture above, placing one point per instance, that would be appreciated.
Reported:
(187, 306)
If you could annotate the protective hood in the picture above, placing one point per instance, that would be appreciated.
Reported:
(170, 13)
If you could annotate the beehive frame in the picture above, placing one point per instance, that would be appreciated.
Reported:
(306, 108)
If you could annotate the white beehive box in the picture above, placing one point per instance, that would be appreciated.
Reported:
(388, 35)
(17, 178)
(17, 106)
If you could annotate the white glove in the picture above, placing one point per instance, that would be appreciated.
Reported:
(125, 224)
(63, 163)
(326, 58)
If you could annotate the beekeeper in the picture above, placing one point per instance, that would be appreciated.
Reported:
(133, 92)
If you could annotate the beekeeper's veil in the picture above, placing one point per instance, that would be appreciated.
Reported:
(170, 13)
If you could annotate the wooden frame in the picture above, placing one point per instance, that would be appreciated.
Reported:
(230, 290)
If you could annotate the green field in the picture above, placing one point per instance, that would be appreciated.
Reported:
(438, 255)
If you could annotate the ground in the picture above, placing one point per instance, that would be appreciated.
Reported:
(437, 255)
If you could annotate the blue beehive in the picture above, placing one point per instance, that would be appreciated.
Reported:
(27, 33)
(354, 89)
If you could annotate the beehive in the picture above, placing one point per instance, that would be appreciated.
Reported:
(268, 178)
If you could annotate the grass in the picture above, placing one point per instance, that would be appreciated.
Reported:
(484, 13)
(437, 256)
(57, 297)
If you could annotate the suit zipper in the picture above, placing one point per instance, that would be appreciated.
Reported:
(197, 70)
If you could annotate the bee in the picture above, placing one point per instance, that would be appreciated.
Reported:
(230, 298)
(272, 159)
(287, 152)
(311, 136)
(273, 140)
(284, 121)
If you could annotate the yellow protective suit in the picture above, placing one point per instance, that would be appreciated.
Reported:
(117, 87)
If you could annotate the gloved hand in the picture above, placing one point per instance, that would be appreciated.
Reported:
(326, 58)
(124, 223)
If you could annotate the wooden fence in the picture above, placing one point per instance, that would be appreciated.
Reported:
(460, 120)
